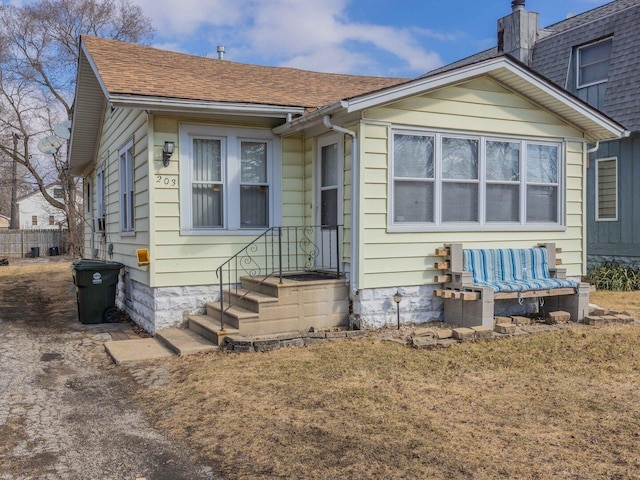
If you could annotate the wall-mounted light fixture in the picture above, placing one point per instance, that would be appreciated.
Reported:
(167, 151)
(398, 298)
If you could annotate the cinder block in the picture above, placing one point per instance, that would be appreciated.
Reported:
(559, 317)
(593, 320)
(464, 334)
(338, 334)
(442, 333)
(521, 320)
(422, 342)
(483, 332)
(501, 320)
(355, 333)
(266, 345)
(609, 319)
(423, 332)
(598, 312)
(625, 319)
(505, 328)
(295, 342)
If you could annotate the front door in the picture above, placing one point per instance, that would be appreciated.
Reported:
(329, 202)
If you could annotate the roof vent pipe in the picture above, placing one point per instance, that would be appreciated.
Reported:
(221, 52)
(517, 5)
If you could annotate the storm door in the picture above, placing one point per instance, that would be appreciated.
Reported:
(329, 215)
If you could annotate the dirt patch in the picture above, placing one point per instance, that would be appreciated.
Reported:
(65, 410)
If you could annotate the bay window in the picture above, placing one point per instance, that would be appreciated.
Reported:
(447, 181)
(227, 179)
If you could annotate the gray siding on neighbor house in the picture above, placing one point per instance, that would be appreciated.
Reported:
(554, 57)
(620, 238)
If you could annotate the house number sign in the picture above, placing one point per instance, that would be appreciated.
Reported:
(169, 182)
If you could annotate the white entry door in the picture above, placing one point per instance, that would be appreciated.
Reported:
(329, 212)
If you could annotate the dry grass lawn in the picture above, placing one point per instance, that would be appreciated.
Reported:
(563, 404)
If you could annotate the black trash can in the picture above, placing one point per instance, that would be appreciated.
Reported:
(53, 251)
(35, 252)
(96, 283)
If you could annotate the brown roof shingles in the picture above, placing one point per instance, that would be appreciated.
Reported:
(139, 70)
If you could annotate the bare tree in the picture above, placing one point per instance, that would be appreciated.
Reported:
(39, 47)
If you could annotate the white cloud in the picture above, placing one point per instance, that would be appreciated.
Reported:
(299, 33)
(171, 18)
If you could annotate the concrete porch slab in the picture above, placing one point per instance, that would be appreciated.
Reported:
(185, 342)
(125, 351)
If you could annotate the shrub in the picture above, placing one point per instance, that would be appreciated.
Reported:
(615, 277)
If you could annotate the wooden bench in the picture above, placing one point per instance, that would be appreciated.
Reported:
(475, 279)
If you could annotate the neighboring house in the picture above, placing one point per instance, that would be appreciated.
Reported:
(488, 154)
(4, 222)
(593, 56)
(36, 213)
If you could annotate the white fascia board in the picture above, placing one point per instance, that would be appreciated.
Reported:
(191, 106)
(421, 85)
(583, 108)
(425, 84)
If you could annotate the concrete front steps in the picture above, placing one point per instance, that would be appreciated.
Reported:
(167, 343)
(266, 306)
(259, 308)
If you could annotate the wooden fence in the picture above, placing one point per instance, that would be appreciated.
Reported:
(22, 243)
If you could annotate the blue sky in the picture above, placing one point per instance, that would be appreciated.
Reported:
(404, 38)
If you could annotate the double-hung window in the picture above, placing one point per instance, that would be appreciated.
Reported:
(593, 63)
(126, 184)
(449, 182)
(228, 179)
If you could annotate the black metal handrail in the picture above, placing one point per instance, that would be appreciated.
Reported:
(279, 251)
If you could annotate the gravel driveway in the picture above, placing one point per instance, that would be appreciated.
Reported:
(66, 412)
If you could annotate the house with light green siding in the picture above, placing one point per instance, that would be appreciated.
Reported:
(270, 199)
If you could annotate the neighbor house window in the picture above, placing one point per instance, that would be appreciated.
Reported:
(126, 180)
(593, 62)
(34, 220)
(51, 220)
(58, 193)
(453, 181)
(607, 189)
(227, 179)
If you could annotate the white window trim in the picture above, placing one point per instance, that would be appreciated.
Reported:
(325, 141)
(481, 225)
(126, 180)
(231, 137)
(100, 180)
(585, 85)
(597, 195)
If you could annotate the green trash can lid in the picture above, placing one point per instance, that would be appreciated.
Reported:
(82, 264)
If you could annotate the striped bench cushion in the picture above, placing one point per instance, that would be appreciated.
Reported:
(512, 269)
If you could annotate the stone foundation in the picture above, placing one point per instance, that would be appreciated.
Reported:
(162, 307)
(597, 260)
(375, 307)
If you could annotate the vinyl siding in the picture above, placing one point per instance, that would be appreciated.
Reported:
(182, 259)
(620, 237)
(118, 128)
(389, 259)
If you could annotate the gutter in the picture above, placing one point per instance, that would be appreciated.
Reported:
(188, 106)
(299, 123)
(355, 201)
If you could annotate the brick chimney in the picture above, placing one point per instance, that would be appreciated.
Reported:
(517, 32)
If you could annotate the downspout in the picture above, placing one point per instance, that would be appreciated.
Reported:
(355, 202)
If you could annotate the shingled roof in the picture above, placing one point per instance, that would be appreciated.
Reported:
(553, 52)
(131, 69)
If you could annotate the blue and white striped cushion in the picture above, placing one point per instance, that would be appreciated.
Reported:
(512, 269)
